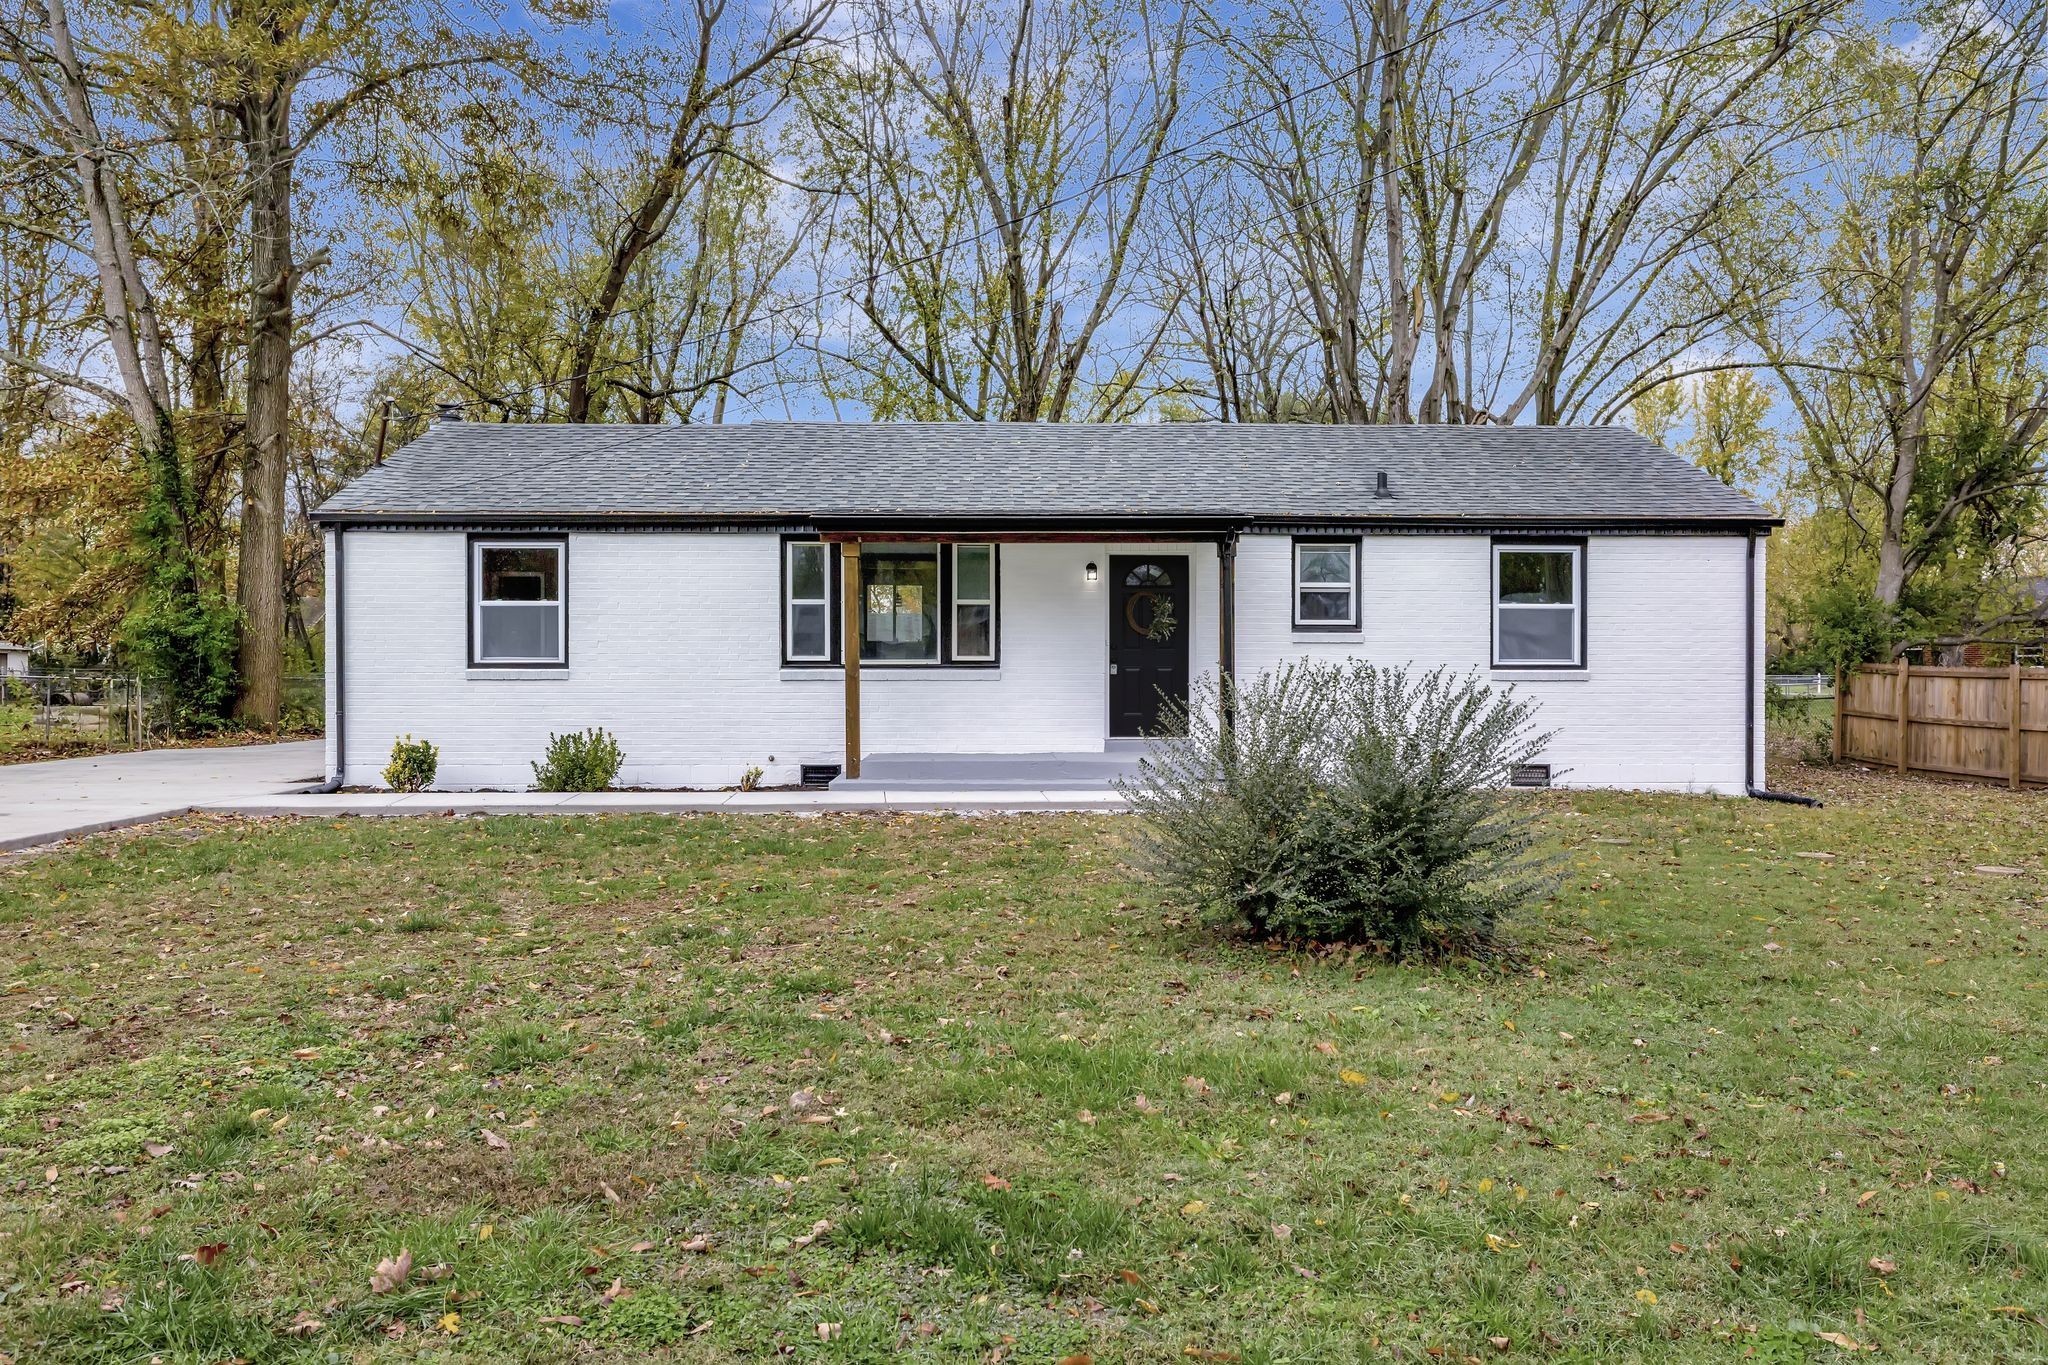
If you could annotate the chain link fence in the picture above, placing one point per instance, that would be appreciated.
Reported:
(53, 713)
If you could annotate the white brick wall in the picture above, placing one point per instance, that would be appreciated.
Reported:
(674, 645)
(1660, 703)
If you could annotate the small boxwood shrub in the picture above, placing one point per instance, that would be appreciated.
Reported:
(1345, 803)
(413, 765)
(581, 762)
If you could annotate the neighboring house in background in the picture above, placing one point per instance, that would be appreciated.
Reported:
(13, 659)
(1022, 589)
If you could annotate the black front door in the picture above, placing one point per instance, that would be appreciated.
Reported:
(1148, 639)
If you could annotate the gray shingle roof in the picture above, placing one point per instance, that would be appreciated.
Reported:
(806, 471)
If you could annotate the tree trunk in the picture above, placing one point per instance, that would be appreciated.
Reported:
(1393, 23)
(259, 586)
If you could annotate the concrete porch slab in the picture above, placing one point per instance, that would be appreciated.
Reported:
(1096, 773)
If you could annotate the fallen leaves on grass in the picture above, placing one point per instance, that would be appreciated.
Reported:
(391, 1272)
(1844, 1341)
(496, 1143)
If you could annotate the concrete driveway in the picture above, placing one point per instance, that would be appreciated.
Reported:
(44, 802)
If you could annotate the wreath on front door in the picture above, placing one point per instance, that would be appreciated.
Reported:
(1160, 622)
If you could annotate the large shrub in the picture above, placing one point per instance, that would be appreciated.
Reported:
(585, 762)
(1345, 803)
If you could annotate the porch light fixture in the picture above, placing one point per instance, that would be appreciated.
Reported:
(1091, 572)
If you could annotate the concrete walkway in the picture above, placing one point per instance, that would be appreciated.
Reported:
(995, 800)
(43, 802)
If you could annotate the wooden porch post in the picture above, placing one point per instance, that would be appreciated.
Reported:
(849, 648)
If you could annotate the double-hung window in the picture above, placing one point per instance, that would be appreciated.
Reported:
(974, 603)
(517, 596)
(807, 601)
(920, 603)
(1538, 605)
(1326, 584)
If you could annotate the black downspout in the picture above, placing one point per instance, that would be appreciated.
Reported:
(1749, 641)
(334, 633)
(1226, 621)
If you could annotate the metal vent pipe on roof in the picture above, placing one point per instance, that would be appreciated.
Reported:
(1380, 490)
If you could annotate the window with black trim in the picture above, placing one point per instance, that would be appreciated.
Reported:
(1326, 584)
(1538, 605)
(807, 601)
(518, 616)
(974, 603)
(921, 603)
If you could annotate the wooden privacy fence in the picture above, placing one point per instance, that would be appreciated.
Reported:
(1985, 723)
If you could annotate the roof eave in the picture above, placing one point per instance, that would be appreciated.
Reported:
(897, 522)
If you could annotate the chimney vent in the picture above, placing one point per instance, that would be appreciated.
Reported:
(1381, 490)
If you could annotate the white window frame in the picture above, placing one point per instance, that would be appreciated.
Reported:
(1350, 586)
(953, 608)
(790, 601)
(1577, 606)
(559, 602)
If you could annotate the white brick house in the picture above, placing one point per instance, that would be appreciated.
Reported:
(1022, 590)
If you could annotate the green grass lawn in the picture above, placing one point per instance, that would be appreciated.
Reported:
(1762, 1083)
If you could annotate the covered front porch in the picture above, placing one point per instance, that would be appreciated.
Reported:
(1094, 630)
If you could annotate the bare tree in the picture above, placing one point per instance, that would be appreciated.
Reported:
(718, 97)
(1911, 353)
(999, 163)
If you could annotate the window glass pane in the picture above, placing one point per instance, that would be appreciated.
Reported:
(900, 601)
(1536, 576)
(971, 633)
(1148, 575)
(522, 574)
(1326, 564)
(807, 630)
(1543, 635)
(807, 572)
(971, 568)
(1320, 605)
(513, 631)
